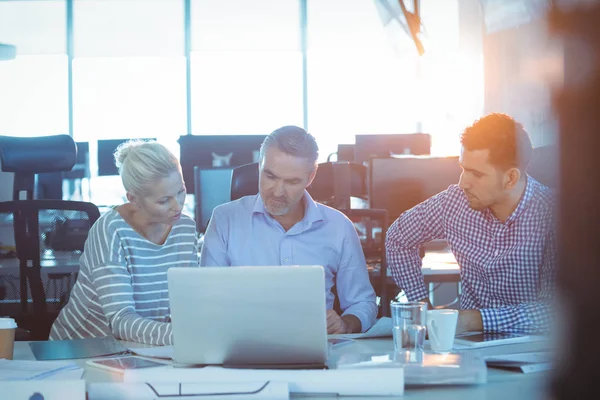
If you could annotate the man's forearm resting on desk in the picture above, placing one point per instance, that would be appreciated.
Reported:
(345, 324)
(352, 322)
(536, 317)
(469, 321)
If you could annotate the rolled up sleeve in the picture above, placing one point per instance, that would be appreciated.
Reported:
(355, 292)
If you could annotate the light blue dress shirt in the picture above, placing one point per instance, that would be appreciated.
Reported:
(242, 233)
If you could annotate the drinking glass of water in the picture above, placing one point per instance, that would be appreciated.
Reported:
(409, 325)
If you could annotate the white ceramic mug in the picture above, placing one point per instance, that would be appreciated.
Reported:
(441, 327)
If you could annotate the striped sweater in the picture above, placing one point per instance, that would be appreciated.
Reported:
(121, 288)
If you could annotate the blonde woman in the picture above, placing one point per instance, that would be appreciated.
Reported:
(121, 288)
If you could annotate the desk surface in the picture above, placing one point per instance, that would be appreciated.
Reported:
(501, 384)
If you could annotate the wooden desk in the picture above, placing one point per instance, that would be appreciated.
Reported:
(501, 384)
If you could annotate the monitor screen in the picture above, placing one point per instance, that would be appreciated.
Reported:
(83, 150)
(216, 151)
(106, 158)
(213, 187)
(398, 184)
(370, 146)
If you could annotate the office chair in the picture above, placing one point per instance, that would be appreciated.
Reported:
(244, 181)
(371, 227)
(333, 185)
(544, 165)
(45, 234)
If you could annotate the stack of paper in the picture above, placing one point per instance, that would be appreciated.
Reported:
(18, 370)
(334, 382)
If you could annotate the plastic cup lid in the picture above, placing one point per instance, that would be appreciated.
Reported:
(7, 323)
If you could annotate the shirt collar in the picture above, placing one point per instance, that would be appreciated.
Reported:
(312, 213)
(525, 198)
(527, 195)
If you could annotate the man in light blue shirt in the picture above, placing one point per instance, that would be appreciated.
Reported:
(283, 225)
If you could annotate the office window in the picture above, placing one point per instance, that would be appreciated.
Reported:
(365, 79)
(128, 28)
(129, 69)
(128, 78)
(34, 96)
(33, 87)
(246, 66)
(357, 82)
(119, 98)
(451, 78)
(35, 27)
(124, 97)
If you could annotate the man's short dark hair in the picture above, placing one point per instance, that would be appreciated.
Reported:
(508, 142)
(294, 141)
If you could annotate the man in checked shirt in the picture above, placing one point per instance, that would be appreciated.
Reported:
(500, 225)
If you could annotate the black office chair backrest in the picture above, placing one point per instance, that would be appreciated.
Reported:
(544, 165)
(42, 241)
(244, 181)
(40, 234)
(29, 156)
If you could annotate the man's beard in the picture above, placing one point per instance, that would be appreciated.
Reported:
(474, 202)
(280, 209)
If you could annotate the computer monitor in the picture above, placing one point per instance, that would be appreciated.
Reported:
(345, 152)
(83, 151)
(336, 182)
(106, 158)
(212, 188)
(398, 184)
(370, 146)
(216, 151)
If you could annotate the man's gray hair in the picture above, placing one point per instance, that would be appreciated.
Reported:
(294, 141)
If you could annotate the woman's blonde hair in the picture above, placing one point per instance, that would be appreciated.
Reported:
(143, 163)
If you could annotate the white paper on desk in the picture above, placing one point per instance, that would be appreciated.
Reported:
(47, 390)
(69, 375)
(21, 370)
(364, 382)
(382, 328)
(163, 352)
(208, 390)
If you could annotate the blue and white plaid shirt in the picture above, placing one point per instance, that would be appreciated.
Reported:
(507, 269)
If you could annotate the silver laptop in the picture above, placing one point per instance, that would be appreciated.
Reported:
(249, 316)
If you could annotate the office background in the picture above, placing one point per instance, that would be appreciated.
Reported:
(116, 69)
